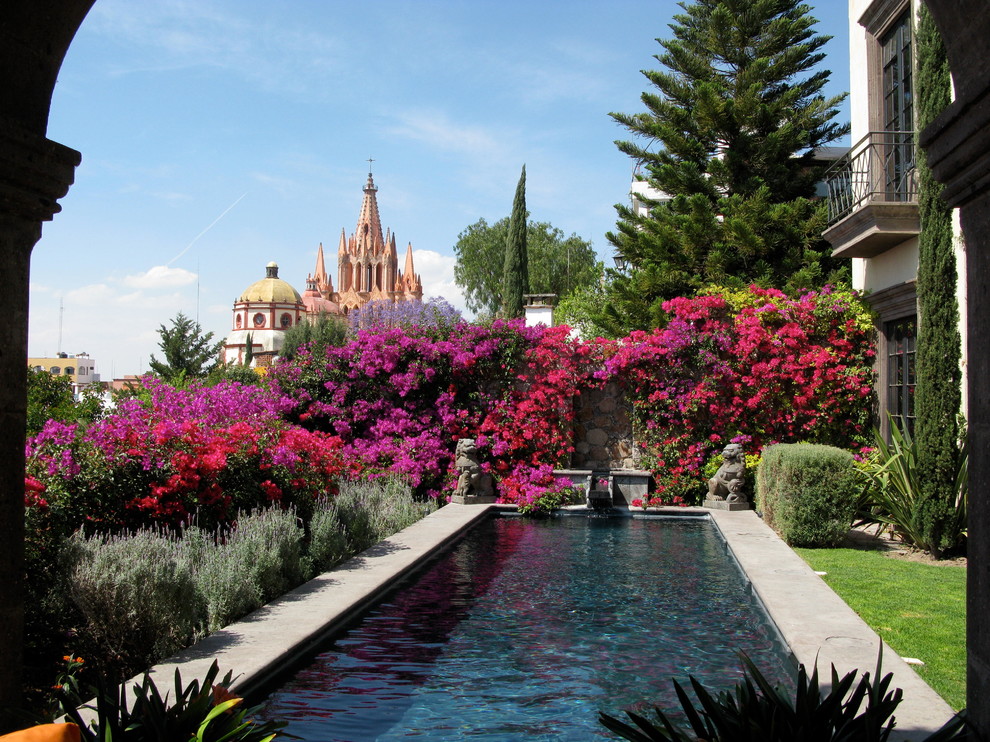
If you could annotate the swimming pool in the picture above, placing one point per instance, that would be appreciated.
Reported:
(528, 628)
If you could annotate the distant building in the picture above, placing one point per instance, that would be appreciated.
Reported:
(367, 270)
(80, 369)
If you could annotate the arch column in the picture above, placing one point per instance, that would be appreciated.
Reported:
(34, 173)
(957, 146)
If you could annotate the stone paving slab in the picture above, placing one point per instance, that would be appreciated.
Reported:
(818, 625)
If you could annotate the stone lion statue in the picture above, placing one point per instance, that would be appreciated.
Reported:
(727, 484)
(471, 480)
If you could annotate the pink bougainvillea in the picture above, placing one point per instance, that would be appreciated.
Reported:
(751, 367)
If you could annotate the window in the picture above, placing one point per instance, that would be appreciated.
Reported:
(259, 320)
(239, 321)
(286, 320)
(70, 370)
(55, 370)
(901, 341)
(897, 107)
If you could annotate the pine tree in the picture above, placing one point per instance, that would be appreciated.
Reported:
(938, 392)
(515, 274)
(189, 354)
(729, 136)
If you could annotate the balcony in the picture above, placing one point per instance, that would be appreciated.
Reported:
(873, 196)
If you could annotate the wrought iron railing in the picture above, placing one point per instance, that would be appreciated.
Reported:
(880, 167)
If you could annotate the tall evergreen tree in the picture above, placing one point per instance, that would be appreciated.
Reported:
(729, 136)
(515, 274)
(189, 354)
(938, 393)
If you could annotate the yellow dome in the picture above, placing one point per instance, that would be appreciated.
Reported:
(271, 288)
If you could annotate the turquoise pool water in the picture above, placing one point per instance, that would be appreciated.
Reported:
(526, 629)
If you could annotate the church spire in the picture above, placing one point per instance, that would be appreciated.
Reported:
(323, 283)
(368, 236)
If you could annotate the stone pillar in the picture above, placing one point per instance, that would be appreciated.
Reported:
(34, 174)
(957, 145)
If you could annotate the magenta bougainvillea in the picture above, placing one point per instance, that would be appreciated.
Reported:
(205, 452)
(752, 367)
(400, 398)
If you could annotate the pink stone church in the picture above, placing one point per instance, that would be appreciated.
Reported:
(367, 270)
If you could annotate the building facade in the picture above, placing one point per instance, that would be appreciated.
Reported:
(79, 369)
(873, 195)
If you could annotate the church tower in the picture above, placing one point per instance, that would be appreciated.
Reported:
(368, 263)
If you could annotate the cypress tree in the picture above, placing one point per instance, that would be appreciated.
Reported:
(729, 136)
(938, 390)
(515, 274)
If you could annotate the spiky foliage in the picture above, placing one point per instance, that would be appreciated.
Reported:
(938, 393)
(515, 275)
(729, 136)
(189, 354)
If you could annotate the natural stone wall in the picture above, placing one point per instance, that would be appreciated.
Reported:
(603, 433)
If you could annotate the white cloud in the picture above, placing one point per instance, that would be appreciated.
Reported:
(160, 276)
(436, 129)
(437, 272)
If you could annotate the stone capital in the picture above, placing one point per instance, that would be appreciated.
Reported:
(957, 144)
(34, 173)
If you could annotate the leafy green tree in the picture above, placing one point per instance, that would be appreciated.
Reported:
(323, 332)
(51, 398)
(938, 393)
(557, 264)
(515, 275)
(581, 308)
(189, 354)
(729, 136)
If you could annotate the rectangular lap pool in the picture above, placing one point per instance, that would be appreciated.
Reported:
(528, 628)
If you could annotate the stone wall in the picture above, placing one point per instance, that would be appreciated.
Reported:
(603, 434)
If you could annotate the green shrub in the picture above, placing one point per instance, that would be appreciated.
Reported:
(223, 578)
(137, 593)
(372, 510)
(270, 542)
(327, 537)
(807, 493)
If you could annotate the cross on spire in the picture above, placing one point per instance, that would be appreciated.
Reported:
(370, 160)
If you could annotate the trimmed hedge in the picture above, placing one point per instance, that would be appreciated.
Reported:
(807, 493)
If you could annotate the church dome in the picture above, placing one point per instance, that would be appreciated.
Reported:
(271, 288)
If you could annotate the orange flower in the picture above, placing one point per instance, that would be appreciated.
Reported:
(222, 695)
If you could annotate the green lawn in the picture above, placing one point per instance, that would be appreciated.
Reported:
(918, 609)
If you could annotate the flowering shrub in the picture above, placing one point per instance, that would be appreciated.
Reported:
(400, 398)
(751, 367)
(203, 452)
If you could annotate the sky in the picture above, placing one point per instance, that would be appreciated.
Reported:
(219, 135)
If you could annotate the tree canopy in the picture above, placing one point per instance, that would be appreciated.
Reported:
(189, 354)
(729, 136)
(557, 264)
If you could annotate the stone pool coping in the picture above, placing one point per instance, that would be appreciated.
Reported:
(810, 617)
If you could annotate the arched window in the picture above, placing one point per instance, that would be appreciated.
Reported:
(239, 321)
(70, 370)
(259, 320)
(285, 320)
(55, 370)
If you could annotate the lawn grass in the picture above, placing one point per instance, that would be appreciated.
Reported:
(918, 609)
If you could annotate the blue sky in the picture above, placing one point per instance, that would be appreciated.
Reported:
(218, 135)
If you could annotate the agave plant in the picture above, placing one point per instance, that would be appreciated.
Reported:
(201, 711)
(757, 711)
(892, 491)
